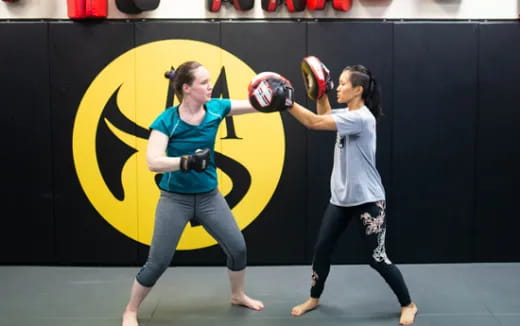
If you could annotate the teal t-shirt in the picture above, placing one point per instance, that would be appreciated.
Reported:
(186, 139)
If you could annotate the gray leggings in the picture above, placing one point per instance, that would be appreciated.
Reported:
(173, 212)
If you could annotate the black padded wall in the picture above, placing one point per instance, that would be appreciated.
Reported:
(78, 52)
(435, 104)
(446, 145)
(497, 156)
(27, 180)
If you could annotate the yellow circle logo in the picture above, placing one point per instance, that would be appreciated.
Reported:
(116, 111)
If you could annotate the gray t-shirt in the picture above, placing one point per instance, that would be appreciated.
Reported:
(355, 179)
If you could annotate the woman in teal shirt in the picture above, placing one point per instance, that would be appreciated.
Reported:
(181, 147)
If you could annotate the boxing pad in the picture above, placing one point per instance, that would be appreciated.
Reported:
(295, 5)
(81, 9)
(136, 6)
(128, 7)
(96, 8)
(243, 5)
(145, 5)
(270, 92)
(316, 4)
(342, 5)
(316, 77)
(76, 9)
(270, 5)
(214, 5)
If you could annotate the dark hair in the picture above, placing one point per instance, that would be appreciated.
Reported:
(182, 75)
(361, 76)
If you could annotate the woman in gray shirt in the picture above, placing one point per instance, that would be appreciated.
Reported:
(356, 189)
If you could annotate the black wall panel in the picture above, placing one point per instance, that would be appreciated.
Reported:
(338, 45)
(285, 216)
(435, 94)
(26, 194)
(78, 52)
(146, 32)
(498, 154)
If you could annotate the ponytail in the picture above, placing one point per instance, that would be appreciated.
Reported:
(361, 76)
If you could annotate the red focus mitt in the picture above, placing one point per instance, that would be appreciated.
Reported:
(316, 77)
(270, 92)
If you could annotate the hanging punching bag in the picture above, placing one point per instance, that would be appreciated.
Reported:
(136, 6)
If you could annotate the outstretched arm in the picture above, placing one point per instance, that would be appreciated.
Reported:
(241, 107)
(312, 120)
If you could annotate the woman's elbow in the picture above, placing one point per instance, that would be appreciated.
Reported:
(314, 125)
(153, 165)
(153, 168)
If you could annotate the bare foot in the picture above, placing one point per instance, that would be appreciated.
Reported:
(408, 314)
(129, 319)
(310, 304)
(244, 300)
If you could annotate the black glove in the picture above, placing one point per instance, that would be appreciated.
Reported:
(198, 161)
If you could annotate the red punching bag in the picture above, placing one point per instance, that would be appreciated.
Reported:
(81, 9)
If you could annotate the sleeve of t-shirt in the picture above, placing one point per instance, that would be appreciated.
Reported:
(347, 122)
(161, 123)
(225, 105)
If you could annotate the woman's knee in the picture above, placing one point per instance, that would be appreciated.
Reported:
(150, 273)
(237, 258)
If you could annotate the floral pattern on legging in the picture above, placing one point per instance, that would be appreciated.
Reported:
(314, 278)
(376, 225)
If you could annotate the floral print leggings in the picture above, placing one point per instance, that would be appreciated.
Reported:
(335, 221)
